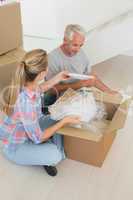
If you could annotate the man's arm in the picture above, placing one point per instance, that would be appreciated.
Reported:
(61, 87)
(101, 86)
(95, 82)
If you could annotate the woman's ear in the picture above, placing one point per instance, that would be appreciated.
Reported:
(44, 73)
(47, 70)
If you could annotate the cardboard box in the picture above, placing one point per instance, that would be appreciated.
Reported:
(8, 64)
(10, 42)
(10, 27)
(88, 147)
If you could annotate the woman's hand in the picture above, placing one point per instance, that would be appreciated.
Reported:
(71, 120)
(52, 129)
(62, 76)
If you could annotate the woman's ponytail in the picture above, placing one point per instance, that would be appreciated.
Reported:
(33, 63)
(14, 89)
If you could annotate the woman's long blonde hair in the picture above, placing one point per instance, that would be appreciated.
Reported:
(33, 63)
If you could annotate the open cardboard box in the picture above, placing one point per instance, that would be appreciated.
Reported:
(86, 146)
(11, 51)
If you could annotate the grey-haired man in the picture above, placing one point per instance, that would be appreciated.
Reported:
(70, 56)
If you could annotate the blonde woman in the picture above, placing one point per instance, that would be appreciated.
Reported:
(28, 134)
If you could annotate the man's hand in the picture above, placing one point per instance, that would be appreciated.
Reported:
(88, 83)
(101, 86)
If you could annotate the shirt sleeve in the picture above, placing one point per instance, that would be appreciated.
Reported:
(53, 67)
(29, 118)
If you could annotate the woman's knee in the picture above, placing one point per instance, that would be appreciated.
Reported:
(56, 156)
(50, 155)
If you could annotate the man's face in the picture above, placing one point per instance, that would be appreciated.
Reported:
(73, 46)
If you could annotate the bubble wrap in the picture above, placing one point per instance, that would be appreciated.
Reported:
(80, 103)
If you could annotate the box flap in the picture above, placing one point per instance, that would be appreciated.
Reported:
(10, 27)
(93, 132)
(119, 117)
(12, 56)
(80, 133)
(8, 64)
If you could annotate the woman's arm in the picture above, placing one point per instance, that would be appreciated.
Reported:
(56, 79)
(51, 130)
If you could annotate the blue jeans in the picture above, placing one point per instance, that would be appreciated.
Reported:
(50, 152)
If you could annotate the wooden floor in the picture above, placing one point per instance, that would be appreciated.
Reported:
(77, 181)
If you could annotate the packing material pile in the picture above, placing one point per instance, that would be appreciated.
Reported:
(83, 104)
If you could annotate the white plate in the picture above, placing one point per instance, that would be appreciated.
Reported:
(80, 76)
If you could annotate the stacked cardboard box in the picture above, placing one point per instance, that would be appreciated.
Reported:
(11, 50)
(10, 27)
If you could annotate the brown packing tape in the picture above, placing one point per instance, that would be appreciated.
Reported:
(119, 117)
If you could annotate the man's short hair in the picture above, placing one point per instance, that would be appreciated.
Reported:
(73, 28)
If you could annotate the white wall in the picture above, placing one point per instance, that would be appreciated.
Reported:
(46, 21)
(88, 13)
(112, 40)
(39, 18)
(44, 43)
(48, 18)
